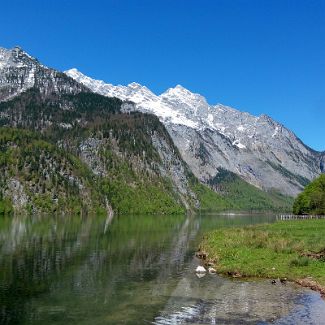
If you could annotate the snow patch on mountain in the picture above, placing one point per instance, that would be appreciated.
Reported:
(19, 72)
(259, 149)
(145, 100)
(180, 106)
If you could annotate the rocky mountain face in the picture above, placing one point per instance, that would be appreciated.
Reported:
(19, 71)
(209, 137)
(90, 153)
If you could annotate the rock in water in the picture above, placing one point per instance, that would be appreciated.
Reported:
(200, 269)
(212, 270)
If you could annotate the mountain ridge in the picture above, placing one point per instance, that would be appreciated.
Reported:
(226, 134)
(137, 144)
(20, 71)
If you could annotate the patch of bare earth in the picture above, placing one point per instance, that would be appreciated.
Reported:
(310, 283)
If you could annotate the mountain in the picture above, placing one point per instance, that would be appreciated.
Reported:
(209, 137)
(67, 149)
(19, 71)
(128, 159)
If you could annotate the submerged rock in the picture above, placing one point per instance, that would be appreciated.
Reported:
(200, 275)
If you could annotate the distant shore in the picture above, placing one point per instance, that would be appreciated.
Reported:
(282, 251)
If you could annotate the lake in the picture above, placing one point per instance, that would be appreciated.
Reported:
(133, 270)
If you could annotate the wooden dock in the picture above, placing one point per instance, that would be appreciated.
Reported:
(298, 217)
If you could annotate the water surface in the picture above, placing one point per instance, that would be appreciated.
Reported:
(133, 270)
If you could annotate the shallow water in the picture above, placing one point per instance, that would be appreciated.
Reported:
(133, 270)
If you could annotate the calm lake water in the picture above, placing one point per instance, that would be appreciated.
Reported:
(133, 270)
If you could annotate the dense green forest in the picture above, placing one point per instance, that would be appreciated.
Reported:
(312, 199)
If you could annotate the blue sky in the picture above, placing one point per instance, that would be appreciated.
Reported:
(257, 56)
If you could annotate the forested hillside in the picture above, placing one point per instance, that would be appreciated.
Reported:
(127, 160)
(39, 177)
(312, 199)
(89, 153)
(243, 196)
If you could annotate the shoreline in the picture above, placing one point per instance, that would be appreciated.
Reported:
(305, 282)
(282, 251)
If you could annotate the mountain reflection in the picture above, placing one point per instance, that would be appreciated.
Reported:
(130, 270)
(75, 260)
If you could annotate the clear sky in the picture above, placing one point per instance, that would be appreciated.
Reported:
(263, 56)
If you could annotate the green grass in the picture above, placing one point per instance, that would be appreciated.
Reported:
(271, 251)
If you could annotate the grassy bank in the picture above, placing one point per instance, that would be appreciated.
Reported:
(290, 249)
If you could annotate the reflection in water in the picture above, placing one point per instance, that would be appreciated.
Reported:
(131, 270)
(216, 300)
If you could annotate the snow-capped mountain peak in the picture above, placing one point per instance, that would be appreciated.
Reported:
(181, 94)
(75, 73)
(192, 106)
(135, 85)
(82, 78)
(179, 105)
(16, 57)
(21, 71)
(210, 136)
(164, 106)
(178, 90)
